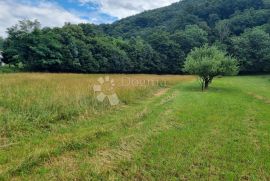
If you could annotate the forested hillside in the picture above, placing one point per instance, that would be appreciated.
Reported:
(156, 41)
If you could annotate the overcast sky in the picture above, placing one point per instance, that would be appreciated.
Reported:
(57, 12)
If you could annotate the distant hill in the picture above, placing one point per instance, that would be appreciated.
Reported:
(204, 13)
(155, 41)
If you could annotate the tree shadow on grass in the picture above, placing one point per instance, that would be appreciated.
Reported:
(191, 88)
(211, 89)
(228, 89)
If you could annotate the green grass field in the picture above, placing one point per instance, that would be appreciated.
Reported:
(53, 128)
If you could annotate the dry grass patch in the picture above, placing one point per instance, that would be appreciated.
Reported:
(161, 92)
(259, 97)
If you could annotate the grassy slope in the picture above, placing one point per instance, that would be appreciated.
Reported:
(221, 134)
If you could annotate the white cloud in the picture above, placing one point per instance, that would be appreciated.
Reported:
(48, 14)
(52, 14)
(124, 8)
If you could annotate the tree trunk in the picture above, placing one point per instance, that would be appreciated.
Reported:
(202, 86)
(206, 81)
(206, 84)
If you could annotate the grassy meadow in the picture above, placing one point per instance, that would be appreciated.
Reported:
(53, 128)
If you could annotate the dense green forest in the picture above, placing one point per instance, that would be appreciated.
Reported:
(156, 41)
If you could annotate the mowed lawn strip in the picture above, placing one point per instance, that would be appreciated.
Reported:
(225, 136)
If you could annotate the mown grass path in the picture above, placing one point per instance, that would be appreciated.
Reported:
(179, 134)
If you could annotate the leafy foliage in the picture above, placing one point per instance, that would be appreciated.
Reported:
(253, 49)
(156, 41)
(1, 43)
(209, 62)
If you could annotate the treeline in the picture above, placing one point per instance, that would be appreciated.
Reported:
(156, 41)
(76, 48)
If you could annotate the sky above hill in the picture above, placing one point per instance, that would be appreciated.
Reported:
(56, 12)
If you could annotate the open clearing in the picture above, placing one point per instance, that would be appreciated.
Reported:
(53, 128)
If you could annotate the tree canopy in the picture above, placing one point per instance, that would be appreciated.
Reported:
(1, 43)
(156, 41)
(209, 62)
(253, 50)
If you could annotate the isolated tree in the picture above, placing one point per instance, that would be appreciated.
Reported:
(208, 62)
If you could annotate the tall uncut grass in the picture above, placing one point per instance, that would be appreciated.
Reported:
(33, 102)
